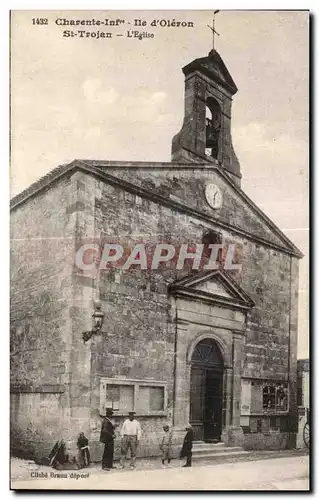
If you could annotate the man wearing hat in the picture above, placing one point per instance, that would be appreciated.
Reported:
(186, 450)
(107, 437)
(130, 433)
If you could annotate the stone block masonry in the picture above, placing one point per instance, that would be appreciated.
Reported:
(42, 246)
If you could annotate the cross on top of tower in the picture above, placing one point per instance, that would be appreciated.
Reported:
(212, 28)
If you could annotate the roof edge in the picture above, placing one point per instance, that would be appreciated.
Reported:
(261, 214)
(57, 173)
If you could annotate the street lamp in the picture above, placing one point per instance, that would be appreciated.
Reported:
(98, 317)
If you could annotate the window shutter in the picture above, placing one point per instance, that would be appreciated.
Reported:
(144, 399)
(256, 398)
(151, 399)
(113, 396)
(126, 398)
(156, 398)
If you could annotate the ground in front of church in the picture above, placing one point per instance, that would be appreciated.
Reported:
(279, 471)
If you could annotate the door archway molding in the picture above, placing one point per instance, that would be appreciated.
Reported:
(224, 350)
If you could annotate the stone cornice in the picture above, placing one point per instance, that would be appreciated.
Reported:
(217, 300)
(223, 278)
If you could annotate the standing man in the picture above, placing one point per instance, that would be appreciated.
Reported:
(131, 434)
(186, 450)
(107, 437)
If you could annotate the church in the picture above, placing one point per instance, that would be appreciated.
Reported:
(213, 346)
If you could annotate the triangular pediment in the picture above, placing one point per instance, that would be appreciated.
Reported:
(213, 286)
(176, 186)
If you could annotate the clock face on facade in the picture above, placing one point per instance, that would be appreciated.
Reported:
(214, 196)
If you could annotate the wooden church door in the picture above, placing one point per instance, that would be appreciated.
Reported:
(206, 391)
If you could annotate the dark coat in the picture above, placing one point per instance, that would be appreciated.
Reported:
(82, 441)
(107, 431)
(187, 444)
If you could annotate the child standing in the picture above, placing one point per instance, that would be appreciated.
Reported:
(83, 445)
(166, 445)
(186, 450)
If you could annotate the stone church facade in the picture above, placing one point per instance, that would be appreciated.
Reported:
(216, 348)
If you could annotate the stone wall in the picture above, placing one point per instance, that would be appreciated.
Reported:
(36, 422)
(270, 441)
(42, 249)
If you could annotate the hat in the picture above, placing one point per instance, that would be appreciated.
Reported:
(108, 411)
(132, 412)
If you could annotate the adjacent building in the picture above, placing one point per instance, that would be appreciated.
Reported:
(303, 401)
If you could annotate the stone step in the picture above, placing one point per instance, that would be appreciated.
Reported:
(219, 455)
(214, 446)
(211, 451)
(204, 443)
(217, 450)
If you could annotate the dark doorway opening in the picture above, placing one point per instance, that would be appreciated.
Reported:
(206, 391)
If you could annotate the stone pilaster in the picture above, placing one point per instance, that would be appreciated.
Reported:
(228, 376)
(232, 434)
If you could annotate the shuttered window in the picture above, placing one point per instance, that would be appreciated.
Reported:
(132, 395)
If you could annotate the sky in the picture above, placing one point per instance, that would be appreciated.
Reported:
(122, 98)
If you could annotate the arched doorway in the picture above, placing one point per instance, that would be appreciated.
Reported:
(206, 391)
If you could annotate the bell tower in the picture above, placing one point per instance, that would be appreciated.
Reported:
(206, 131)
